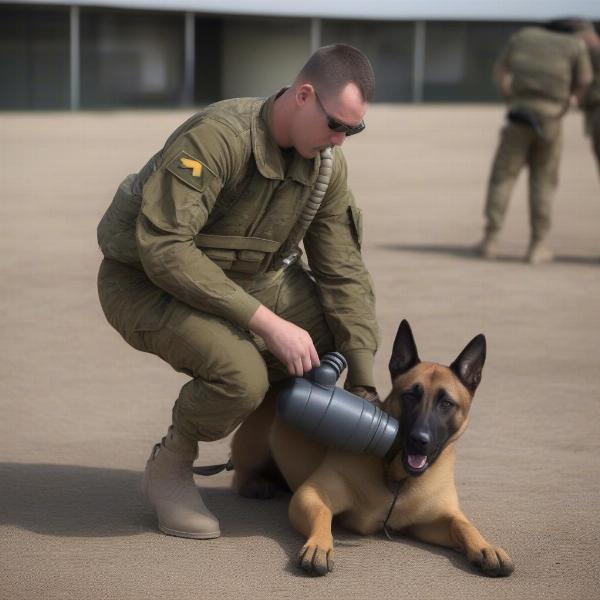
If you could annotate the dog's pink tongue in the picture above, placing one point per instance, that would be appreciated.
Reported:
(416, 461)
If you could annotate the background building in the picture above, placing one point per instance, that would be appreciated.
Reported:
(105, 54)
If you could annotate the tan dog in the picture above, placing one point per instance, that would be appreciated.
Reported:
(413, 493)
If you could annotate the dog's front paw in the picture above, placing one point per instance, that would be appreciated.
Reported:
(492, 561)
(316, 559)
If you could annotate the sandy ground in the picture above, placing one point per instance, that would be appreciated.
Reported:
(80, 409)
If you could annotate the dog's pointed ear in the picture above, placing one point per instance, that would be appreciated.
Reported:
(404, 352)
(469, 364)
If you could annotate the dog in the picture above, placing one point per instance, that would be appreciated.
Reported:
(412, 493)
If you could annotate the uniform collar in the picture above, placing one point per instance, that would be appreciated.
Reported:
(267, 154)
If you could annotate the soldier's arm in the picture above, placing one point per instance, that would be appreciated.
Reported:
(332, 245)
(177, 201)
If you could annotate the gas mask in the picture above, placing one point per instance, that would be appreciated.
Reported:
(314, 405)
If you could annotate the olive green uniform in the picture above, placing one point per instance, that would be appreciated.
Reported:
(591, 105)
(194, 243)
(545, 67)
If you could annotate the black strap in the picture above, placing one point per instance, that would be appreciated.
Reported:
(385, 527)
(213, 469)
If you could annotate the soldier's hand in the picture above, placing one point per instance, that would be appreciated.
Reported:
(289, 343)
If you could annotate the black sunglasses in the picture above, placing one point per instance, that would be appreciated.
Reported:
(336, 126)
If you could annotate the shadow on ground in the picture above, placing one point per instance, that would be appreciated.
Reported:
(467, 252)
(90, 502)
(78, 501)
(71, 500)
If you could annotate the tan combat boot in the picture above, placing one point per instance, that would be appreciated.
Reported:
(168, 487)
(488, 246)
(538, 252)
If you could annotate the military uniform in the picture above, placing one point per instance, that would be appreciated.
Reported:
(195, 242)
(545, 67)
(591, 105)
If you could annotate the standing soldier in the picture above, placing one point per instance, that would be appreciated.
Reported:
(202, 263)
(542, 70)
(591, 101)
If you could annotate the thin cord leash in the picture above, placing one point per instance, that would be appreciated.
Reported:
(385, 527)
(208, 470)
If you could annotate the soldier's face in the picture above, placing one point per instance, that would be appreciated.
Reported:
(313, 131)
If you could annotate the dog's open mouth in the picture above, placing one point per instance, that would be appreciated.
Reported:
(417, 462)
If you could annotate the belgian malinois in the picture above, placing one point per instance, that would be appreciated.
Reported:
(413, 493)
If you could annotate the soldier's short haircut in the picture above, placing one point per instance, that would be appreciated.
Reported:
(333, 67)
(570, 25)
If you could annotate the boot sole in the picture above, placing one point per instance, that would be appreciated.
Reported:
(190, 535)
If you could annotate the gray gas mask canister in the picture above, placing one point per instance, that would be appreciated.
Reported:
(335, 417)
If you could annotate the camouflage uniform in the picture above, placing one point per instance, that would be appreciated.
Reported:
(193, 245)
(545, 67)
(591, 105)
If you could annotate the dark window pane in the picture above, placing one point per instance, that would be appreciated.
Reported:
(34, 58)
(209, 50)
(459, 59)
(131, 58)
(261, 55)
(389, 46)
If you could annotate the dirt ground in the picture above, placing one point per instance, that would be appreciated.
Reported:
(80, 409)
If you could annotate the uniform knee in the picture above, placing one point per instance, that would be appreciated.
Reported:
(211, 409)
(249, 386)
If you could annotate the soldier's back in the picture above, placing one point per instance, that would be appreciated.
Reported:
(542, 63)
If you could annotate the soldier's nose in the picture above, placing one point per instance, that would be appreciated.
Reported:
(420, 439)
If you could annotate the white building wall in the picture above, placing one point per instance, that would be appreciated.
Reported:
(506, 10)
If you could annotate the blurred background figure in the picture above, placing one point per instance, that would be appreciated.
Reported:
(591, 100)
(541, 72)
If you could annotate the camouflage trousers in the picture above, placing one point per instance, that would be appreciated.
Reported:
(521, 146)
(230, 369)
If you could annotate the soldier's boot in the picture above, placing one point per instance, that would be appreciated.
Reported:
(538, 252)
(488, 246)
(168, 487)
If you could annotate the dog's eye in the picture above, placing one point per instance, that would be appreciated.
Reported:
(410, 397)
(446, 404)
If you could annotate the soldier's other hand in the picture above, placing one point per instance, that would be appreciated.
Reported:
(289, 343)
(366, 393)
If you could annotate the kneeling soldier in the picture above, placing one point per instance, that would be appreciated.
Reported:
(201, 263)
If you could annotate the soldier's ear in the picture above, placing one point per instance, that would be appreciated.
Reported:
(469, 363)
(404, 351)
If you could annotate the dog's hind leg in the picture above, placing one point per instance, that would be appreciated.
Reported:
(255, 473)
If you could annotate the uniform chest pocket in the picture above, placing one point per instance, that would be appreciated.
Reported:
(237, 253)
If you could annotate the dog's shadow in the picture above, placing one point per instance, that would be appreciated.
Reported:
(456, 559)
(79, 501)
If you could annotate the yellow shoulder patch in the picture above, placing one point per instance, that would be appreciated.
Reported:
(191, 171)
(194, 165)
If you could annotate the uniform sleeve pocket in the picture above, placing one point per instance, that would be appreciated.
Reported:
(357, 223)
